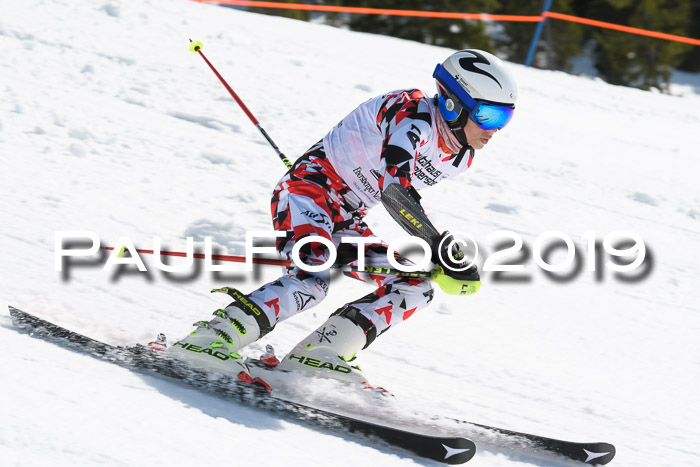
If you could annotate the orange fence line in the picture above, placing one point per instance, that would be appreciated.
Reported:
(441, 14)
(617, 27)
(375, 11)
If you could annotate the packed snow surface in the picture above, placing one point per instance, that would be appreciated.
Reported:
(109, 124)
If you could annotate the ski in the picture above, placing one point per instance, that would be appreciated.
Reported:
(449, 450)
(592, 453)
(595, 453)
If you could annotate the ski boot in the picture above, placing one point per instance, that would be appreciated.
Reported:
(327, 351)
(216, 343)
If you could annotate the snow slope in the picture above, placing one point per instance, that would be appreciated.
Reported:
(109, 124)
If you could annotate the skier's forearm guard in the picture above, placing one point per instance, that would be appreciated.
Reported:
(408, 213)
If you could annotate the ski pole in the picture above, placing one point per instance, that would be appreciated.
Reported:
(196, 47)
(446, 283)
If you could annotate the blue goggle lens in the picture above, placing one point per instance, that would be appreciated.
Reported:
(489, 116)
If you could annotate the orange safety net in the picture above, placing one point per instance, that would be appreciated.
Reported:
(375, 11)
(618, 27)
(444, 14)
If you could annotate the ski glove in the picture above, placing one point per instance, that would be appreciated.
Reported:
(451, 260)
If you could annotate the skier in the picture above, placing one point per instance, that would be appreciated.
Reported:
(386, 149)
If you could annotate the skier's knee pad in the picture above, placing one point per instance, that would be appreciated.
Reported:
(354, 315)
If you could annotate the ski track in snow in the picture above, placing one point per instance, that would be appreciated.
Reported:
(109, 124)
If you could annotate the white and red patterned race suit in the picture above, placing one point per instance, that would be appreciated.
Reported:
(391, 138)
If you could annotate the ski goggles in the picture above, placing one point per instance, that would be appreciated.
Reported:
(487, 115)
